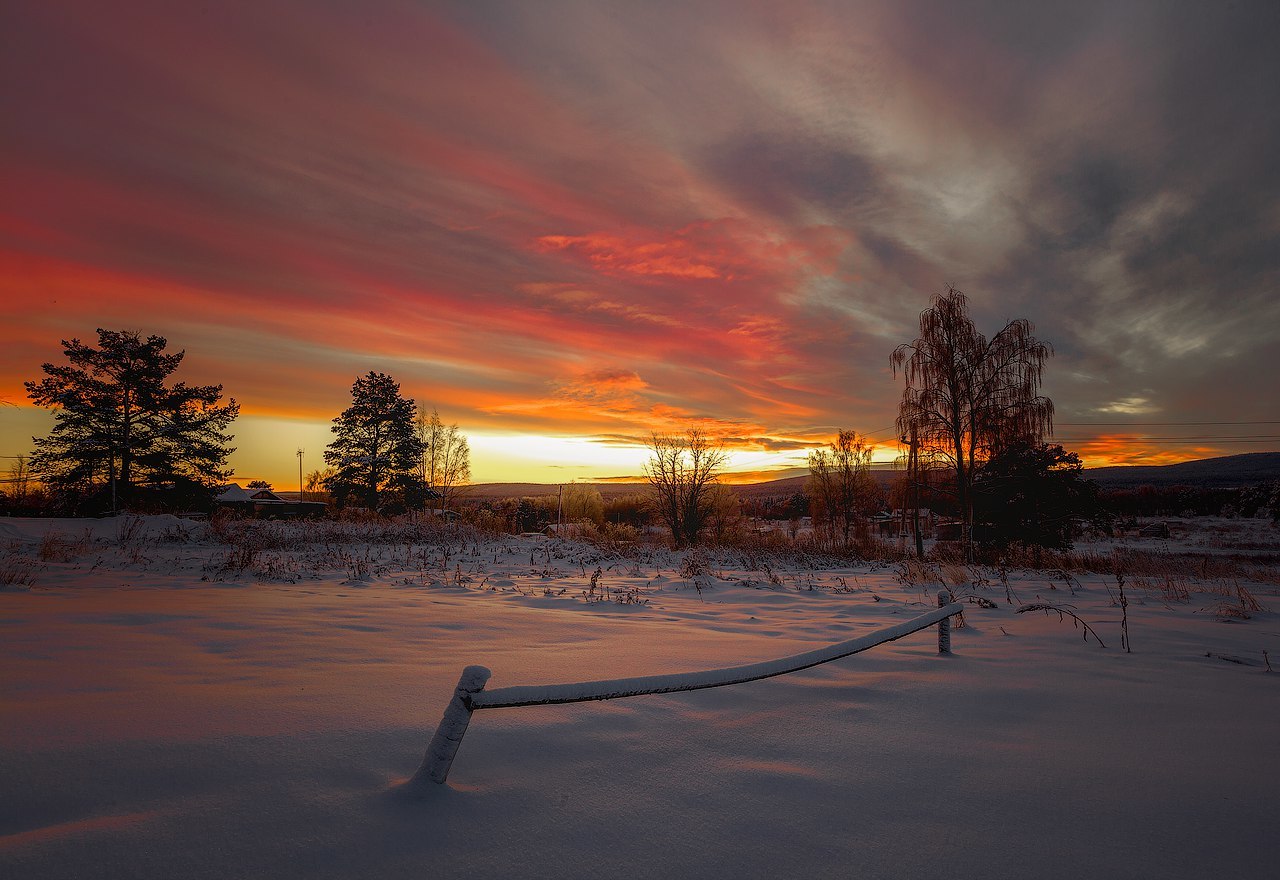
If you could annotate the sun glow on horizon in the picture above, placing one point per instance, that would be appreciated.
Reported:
(266, 448)
(1113, 450)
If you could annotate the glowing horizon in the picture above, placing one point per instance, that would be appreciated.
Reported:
(266, 449)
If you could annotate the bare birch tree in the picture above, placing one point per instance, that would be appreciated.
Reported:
(966, 397)
(681, 473)
(582, 503)
(446, 457)
(841, 486)
(19, 480)
(315, 484)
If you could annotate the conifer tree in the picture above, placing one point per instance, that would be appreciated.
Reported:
(375, 453)
(118, 424)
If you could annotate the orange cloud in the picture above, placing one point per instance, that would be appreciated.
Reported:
(579, 300)
(614, 254)
(719, 250)
(1136, 449)
(595, 401)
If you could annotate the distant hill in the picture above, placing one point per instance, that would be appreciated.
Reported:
(779, 489)
(1224, 472)
(1227, 471)
(768, 489)
(534, 490)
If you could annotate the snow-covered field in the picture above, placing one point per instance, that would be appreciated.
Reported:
(178, 706)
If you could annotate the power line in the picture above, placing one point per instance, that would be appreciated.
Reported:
(1217, 438)
(893, 428)
(1173, 441)
(1164, 424)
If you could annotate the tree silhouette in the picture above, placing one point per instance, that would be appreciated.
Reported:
(681, 473)
(841, 486)
(117, 422)
(19, 480)
(315, 484)
(1033, 494)
(966, 397)
(445, 466)
(375, 449)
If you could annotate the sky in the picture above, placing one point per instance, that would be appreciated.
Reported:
(566, 225)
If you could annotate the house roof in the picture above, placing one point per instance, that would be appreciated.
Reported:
(233, 493)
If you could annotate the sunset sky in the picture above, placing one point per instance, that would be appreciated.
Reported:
(565, 225)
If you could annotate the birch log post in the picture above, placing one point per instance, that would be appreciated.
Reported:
(453, 727)
(944, 625)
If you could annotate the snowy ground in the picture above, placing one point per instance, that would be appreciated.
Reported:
(174, 706)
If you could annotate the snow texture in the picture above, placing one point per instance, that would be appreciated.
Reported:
(176, 707)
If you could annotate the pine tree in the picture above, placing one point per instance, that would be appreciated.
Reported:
(1034, 494)
(375, 453)
(118, 424)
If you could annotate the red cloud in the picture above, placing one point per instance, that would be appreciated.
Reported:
(722, 250)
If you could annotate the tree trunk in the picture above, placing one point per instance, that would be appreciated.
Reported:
(962, 494)
(913, 468)
(126, 448)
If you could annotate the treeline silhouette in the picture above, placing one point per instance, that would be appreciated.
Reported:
(1262, 500)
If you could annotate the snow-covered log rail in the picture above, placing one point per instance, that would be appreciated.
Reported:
(470, 694)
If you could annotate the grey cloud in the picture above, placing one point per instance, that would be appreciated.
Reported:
(784, 175)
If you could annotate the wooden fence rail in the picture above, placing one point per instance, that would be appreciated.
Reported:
(470, 694)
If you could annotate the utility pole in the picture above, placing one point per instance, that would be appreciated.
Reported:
(904, 499)
(914, 468)
(302, 495)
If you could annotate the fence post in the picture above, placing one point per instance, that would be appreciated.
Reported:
(453, 726)
(944, 625)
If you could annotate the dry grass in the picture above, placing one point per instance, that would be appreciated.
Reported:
(612, 537)
(17, 570)
(914, 574)
(695, 564)
(300, 534)
(1064, 612)
(1240, 535)
(1228, 611)
(130, 529)
(57, 547)
(1160, 565)
(1238, 593)
(1171, 589)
